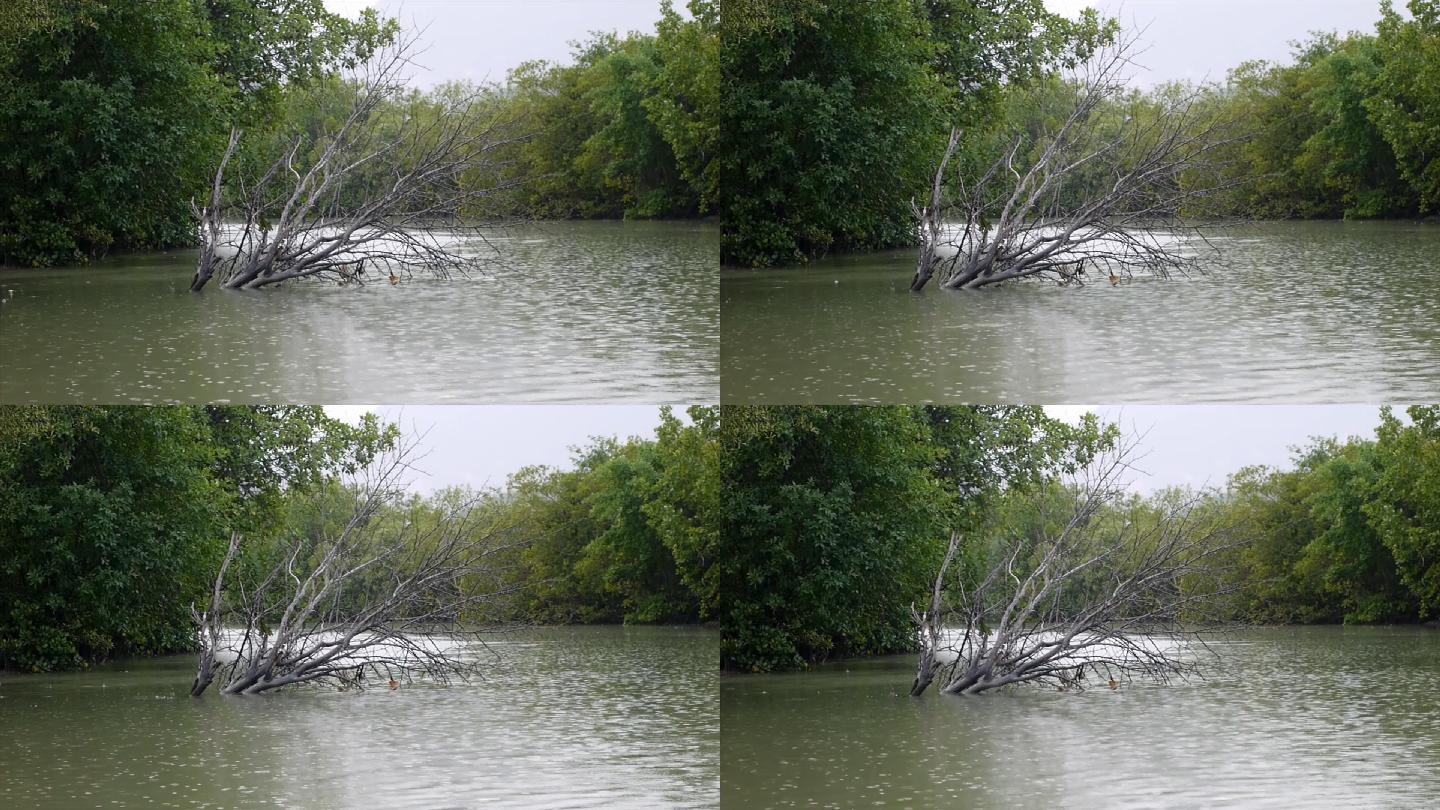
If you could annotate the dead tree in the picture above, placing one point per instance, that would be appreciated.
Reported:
(389, 190)
(1100, 191)
(1099, 593)
(384, 599)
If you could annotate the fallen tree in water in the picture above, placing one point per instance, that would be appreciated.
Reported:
(1105, 191)
(1089, 591)
(389, 191)
(382, 599)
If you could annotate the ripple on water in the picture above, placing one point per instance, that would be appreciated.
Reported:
(1299, 312)
(570, 718)
(595, 312)
(1295, 717)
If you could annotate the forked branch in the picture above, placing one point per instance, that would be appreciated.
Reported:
(389, 596)
(1095, 587)
(1105, 191)
(389, 191)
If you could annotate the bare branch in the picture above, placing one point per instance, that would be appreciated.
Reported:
(1093, 585)
(391, 595)
(394, 189)
(1102, 191)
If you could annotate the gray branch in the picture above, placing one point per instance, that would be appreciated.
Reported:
(1041, 209)
(383, 597)
(1099, 595)
(384, 194)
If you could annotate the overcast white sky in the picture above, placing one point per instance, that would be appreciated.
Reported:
(480, 445)
(480, 40)
(1200, 445)
(1203, 39)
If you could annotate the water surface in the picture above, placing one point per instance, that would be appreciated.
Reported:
(1296, 717)
(574, 311)
(1295, 312)
(568, 718)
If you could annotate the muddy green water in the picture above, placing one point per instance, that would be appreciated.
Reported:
(593, 312)
(568, 718)
(1303, 717)
(1295, 312)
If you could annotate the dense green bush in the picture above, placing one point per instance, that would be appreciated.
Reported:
(626, 534)
(835, 112)
(112, 113)
(834, 518)
(112, 518)
(627, 129)
(1351, 532)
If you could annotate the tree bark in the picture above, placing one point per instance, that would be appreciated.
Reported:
(931, 624)
(209, 625)
(209, 218)
(930, 218)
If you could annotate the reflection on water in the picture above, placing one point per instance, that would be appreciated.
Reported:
(571, 718)
(1297, 717)
(1300, 312)
(596, 312)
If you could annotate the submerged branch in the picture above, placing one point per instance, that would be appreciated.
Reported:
(385, 596)
(1102, 590)
(390, 191)
(1099, 192)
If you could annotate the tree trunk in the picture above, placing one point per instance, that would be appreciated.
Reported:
(210, 218)
(931, 624)
(204, 676)
(931, 218)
